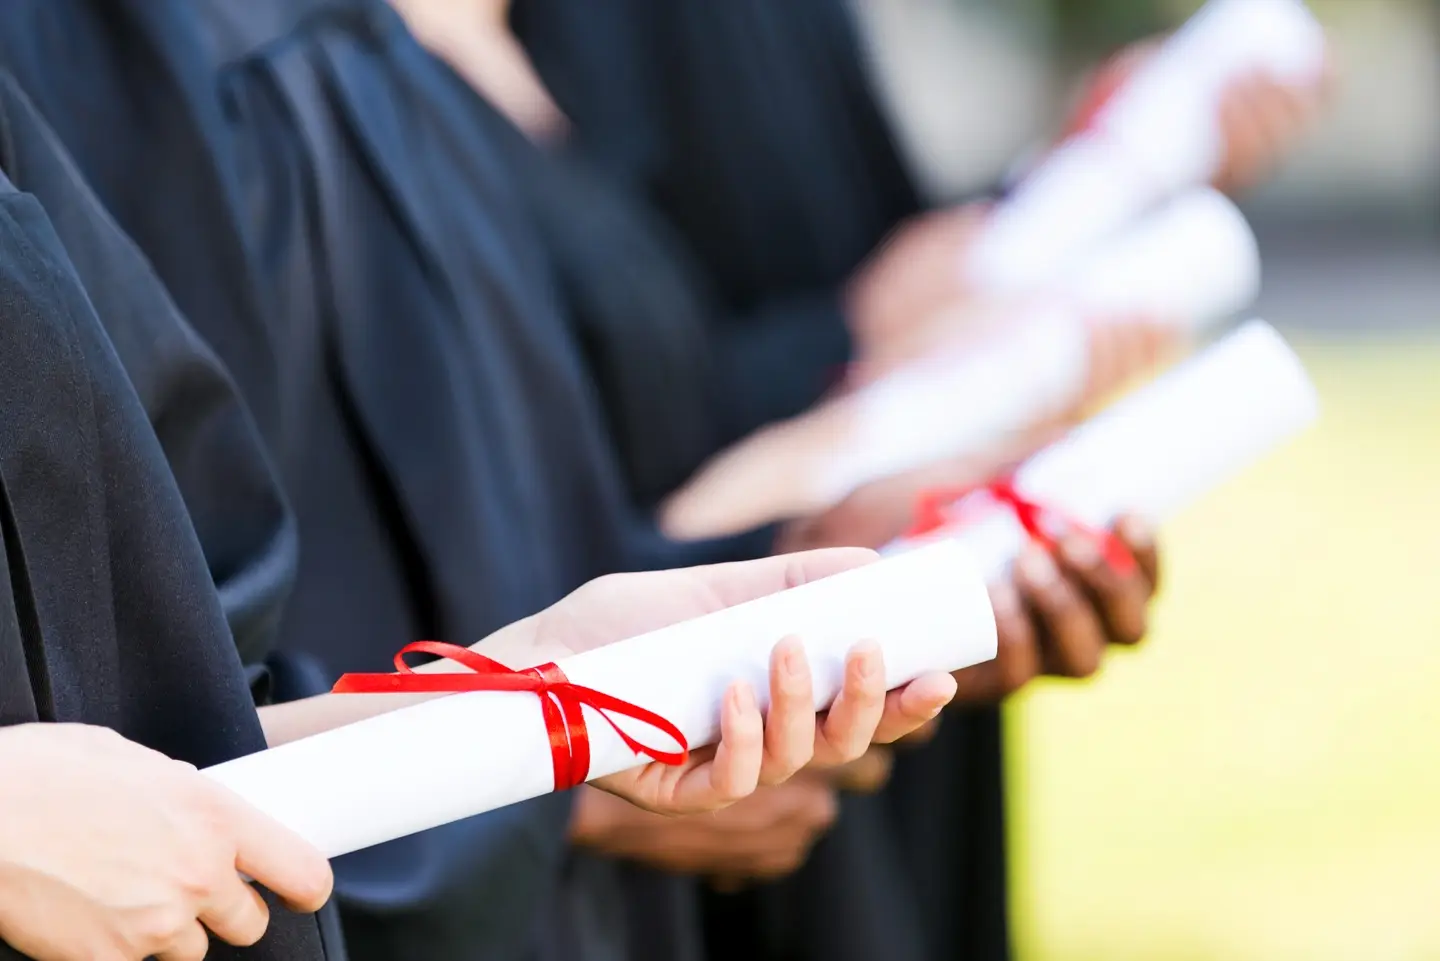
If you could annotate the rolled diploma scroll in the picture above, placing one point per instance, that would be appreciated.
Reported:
(1158, 134)
(1193, 262)
(464, 754)
(1161, 447)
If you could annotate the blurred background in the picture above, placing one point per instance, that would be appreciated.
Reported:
(1262, 781)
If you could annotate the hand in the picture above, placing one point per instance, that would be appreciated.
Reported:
(112, 852)
(1122, 350)
(1058, 616)
(883, 510)
(1261, 118)
(767, 835)
(750, 752)
(868, 773)
(914, 279)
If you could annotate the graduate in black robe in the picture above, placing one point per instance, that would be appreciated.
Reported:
(111, 615)
(427, 409)
(753, 127)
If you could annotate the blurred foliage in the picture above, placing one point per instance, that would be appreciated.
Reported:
(1091, 28)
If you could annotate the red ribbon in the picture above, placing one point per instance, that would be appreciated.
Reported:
(561, 702)
(933, 512)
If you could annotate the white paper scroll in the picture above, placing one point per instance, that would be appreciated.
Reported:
(1159, 134)
(1193, 262)
(457, 756)
(1161, 447)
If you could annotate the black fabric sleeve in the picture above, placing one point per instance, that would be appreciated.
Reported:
(779, 361)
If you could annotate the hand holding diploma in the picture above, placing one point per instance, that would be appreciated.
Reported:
(620, 606)
(1188, 265)
(1054, 615)
(112, 852)
(1261, 116)
(867, 628)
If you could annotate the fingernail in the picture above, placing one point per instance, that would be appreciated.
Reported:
(1003, 599)
(866, 660)
(744, 699)
(1081, 551)
(795, 664)
(1038, 567)
(1137, 532)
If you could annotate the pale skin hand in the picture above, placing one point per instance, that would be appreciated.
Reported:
(623, 606)
(911, 283)
(752, 750)
(1261, 118)
(112, 852)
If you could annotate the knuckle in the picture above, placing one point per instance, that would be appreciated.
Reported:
(825, 811)
(1085, 661)
(1015, 674)
(156, 929)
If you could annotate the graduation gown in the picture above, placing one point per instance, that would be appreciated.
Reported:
(110, 615)
(752, 126)
(436, 431)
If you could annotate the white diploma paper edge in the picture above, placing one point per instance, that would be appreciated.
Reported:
(1159, 134)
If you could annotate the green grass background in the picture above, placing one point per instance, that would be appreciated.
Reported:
(1262, 779)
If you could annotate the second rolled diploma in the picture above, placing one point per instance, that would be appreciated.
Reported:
(1191, 264)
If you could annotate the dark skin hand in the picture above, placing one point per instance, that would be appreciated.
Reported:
(1055, 616)
(1058, 616)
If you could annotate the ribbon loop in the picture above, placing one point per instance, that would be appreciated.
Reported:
(562, 704)
(1043, 524)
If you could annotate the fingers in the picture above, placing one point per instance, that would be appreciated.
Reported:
(1017, 653)
(1072, 639)
(1017, 645)
(733, 771)
(236, 914)
(1121, 599)
(914, 705)
(191, 944)
(790, 726)
(851, 722)
(278, 858)
(1139, 537)
(1260, 117)
(865, 775)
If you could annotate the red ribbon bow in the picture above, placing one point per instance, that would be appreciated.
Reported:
(1039, 521)
(561, 702)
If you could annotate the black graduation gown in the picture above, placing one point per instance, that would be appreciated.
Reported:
(477, 406)
(643, 320)
(752, 126)
(111, 616)
(709, 110)
(434, 427)
(360, 591)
